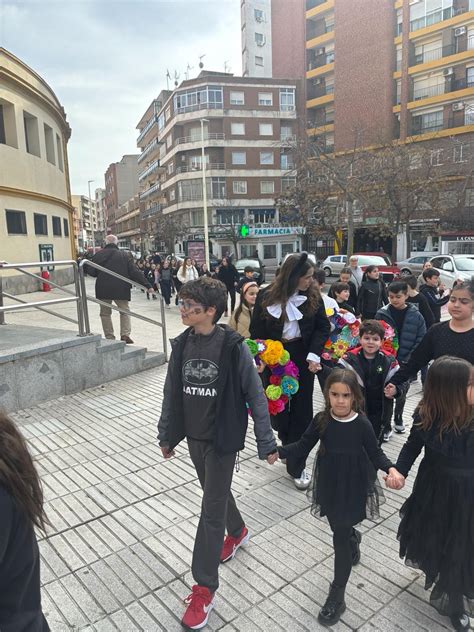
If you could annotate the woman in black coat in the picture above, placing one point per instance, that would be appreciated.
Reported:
(292, 311)
(372, 294)
(230, 277)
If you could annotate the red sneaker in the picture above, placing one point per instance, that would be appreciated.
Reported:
(200, 603)
(231, 545)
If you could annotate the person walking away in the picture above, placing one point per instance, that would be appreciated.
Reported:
(165, 281)
(151, 278)
(356, 272)
(420, 281)
(108, 288)
(436, 526)
(174, 274)
(345, 277)
(345, 487)
(21, 511)
(454, 337)
(211, 378)
(229, 277)
(241, 317)
(372, 294)
(292, 311)
(434, 292)
(187, 272)
(341, 292)
(374, 369)
(409, 325)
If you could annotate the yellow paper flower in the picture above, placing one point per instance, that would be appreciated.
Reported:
(273, 352)
(329, 312)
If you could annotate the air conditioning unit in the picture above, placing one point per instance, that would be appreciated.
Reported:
(447, 72)
(461, 30)
(457, 107)
(261, 42)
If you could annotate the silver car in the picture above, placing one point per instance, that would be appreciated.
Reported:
(413, 265)
(454, 268)
(333, 264)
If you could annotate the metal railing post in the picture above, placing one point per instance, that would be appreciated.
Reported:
(80, 304)
(2, 314)
(163, 327)
(83, 298)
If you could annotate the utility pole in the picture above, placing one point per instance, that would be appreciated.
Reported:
(350, 217)
(92, 215)
(204, 195)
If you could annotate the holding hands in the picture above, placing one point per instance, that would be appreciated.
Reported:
(272, 458)
(314, 367)
(394, 480)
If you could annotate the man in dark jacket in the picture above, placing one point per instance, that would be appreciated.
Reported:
(108, 288)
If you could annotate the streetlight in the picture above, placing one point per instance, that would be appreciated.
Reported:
(204, 195)
(91, 214)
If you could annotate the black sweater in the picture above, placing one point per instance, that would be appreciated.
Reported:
(435, 301)
(372, 296)
(438, 341)
(424, 307)
(20, 600)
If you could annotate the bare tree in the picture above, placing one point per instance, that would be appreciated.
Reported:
(167, 227)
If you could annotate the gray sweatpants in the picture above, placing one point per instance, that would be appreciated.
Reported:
(218, 511)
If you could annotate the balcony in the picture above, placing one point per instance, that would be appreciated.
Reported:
(217, 166)
(433, 55)
(321, 90)
(311, 4)
(196, 138)
(148, 149)
(442, 88)
(147, 128)
(468, 119)
(321, 60)
(155, 165)
(153, 189)
(151, 212)
(317, 29)
(434, 17)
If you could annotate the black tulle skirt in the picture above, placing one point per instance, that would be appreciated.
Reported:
(436, 534)
(345, 488)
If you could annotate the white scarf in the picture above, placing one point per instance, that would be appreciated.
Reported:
(292, 311)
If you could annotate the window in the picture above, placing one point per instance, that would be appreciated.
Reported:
(41, 224)
(218, 188)
(267, 186)
(170, 168)
(16, 222)
(59, 152)
(286, 132)
(197, 218)
(161, 121)
(288, 183)
(265, 129)
(66, 227)
(287, 249)
(265, 98)
(7, 124)
(287, 100)
(3, 137)
(269, 251)
(189, 100)
(237, 98)
(239, 157)
(172, 195)
(266, 158)
(286, 162)
(226, 216)
(429, 122)
(469, 115)
(461, 152)
(49, 143)
(239, 187)
(263, 215)
(168, 113)
(169, 141)
(259, 15)
(195, 162)
(30, 123)
(258, 60)
(436, 157)
(427, 12)
(57, 226)
(260, 39)
(237, 129)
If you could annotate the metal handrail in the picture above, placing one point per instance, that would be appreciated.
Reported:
(85, 297)
(12, 297)
(20, 267)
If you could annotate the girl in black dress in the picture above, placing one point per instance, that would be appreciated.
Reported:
(436, 531)
(292, 311)
(345, 486)
(21, 510)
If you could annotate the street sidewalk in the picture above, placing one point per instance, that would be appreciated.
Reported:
(118, 554)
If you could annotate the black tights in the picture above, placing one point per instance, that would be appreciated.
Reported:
(342, 554)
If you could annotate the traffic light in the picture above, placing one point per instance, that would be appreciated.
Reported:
(244, 230)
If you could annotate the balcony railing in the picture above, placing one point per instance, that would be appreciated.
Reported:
(150, 191)
(147, 128)
(435, 16)
(150, 212)
(320, 91)
(310, 4)
(462, 84)
(196, 138)
(442, 88)
(148, 149)
(321, 60)
(155, 165)
(453, 121)
(433, 55)
(210, 166)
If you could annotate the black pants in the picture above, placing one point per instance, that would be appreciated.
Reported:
(231, 293)
(218, 511)
(293, 421)
(399, 407)
(165, 287)
(343, 550)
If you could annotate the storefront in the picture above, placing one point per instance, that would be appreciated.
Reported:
(270, 243)
(457, 243)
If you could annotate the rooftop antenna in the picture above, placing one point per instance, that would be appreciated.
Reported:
(168, 78)
(187, 71)
(201, 65)
(226, 66)
(176, 77)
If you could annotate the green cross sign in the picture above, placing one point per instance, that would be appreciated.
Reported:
(244, 230)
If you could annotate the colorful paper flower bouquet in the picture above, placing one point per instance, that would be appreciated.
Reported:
(284, 373)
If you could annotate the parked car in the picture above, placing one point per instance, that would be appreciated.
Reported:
(256, 264)
(388, 270)
(453, 268)
(333, 264)
(413, 265)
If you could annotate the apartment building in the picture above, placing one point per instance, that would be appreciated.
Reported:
(85, 223)
(387, 71)
(267, 48)
(127, 222)
(36, 215)
(100, 212)
(246, 126)
(121, 184)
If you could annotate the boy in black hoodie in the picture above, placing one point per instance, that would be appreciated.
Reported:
(436, 295)
(211, 378)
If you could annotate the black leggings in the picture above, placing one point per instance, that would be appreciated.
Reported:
(341, 538)
(231, 293)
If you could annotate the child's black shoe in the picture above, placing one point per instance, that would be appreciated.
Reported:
(460, 622)
(335, 605)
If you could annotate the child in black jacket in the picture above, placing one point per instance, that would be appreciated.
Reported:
(372, 294)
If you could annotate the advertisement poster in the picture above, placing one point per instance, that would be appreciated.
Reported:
(196, 250)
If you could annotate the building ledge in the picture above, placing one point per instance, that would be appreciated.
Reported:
(327, 98)
(462, 18)
(321, 39)
(450, 60)
(322, 129)
(320, 70)
(448, 97)
(322, 8)
(452, 131)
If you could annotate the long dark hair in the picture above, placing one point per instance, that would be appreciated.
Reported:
(286, 284)
(243, 300)
(445, 400)
(369, 269)
(338, 376)
(18, 474)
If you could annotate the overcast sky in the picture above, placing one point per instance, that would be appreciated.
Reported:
(107, 59)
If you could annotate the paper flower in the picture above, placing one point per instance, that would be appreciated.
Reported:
(329, 312)
(291, 369)
(275, 407)
(284, 357)
(252, 345)
(273, 352)
(278, 369)
(289, 385)
(275, 379)
(273, 392)
(261, 345)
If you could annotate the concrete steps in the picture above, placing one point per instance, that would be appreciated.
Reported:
(38, 364)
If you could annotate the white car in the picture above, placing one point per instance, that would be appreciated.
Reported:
(311, 257)
(454, 268)
(333, 265)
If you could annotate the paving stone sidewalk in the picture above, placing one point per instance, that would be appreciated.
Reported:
(118, 553)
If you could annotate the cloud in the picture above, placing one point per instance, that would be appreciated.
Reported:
(107, 59)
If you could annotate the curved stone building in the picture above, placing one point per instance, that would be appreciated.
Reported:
(36, 221)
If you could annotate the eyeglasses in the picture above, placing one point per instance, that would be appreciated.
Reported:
(187, 306)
